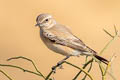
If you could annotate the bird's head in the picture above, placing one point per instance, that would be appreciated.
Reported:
(45, 21)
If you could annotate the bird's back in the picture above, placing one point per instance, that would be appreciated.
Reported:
(61, 31)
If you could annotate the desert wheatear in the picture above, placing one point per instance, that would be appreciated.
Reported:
(60, 39)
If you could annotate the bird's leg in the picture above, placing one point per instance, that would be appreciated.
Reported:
(59, 64)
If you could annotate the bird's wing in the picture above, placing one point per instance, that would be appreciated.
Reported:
(72, 42)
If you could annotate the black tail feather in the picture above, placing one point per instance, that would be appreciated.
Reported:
(102, 59)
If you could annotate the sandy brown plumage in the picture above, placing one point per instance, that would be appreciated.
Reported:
(60, 39)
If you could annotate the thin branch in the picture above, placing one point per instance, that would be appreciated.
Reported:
(113, 37)
(85, 65)
(6, 75)
(80, 69)
(116, 32)
(104, 71)
(101, 69)
(86, 59)
(27, 60)
(88, 71)
(108, 33)
(111, 75)
(108, 44)
(24, 70)
(109, 64)
(73, 66)
(48, 76)
(116, 35)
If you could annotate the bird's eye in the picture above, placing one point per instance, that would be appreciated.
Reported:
(46, 20)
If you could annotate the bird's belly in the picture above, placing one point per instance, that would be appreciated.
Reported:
(64, 50)
(59, 49)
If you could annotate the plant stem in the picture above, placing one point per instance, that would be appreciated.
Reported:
(116, 32)
(73, 66)
(48, 76)
(6, 75)
(80, 69)
(108, 33)
(24, 70)
(108, 44)
(27, 60)
(85, 65)
(88, 71)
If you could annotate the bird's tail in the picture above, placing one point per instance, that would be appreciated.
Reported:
(101, 59)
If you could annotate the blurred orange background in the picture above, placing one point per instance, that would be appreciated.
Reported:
(86, 18)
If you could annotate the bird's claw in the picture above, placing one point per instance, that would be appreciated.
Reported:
(54, 69)
(60, 67)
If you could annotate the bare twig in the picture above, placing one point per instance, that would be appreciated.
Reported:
(108, 44)
(104, 71)
(80, 69)
(24, 70)
(73, 66)
(116, 31)
(109, 64)
(27, 60)
(6, 75)
(108, 33)
(88, 71)
(48, 76)
(85, 65)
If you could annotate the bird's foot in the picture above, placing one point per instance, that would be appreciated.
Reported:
(60, 67)
(54, 69)
(59, 64)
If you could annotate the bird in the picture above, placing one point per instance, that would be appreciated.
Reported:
(60, 39)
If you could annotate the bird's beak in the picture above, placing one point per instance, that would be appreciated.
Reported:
(36, 25)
